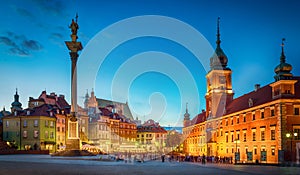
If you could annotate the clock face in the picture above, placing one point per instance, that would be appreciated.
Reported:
(222, 79)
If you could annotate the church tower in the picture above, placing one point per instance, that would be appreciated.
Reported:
(16, 105)
(186, 120)
(219, 88)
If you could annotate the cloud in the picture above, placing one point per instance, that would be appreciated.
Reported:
(19, 45)
(7, 41)
(31, 45)
(25, 13)
(54, 7)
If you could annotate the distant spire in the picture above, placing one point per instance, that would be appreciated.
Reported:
(218, 32)
(16, 91)
(282, 57)
(186, 107)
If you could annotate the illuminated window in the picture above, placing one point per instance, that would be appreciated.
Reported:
(298, 134)
(25, 134)
(25, 123)
(273, 151)
(51, 124)
(51, 135)
(253, 136)
(262, 135)
(36, 134)
(46, 135)
(7, 123)
(36, 123)
(46, 123)
(272, 134)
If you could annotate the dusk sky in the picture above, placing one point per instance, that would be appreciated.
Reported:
(163, 73)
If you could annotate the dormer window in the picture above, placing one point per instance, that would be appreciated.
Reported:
(250, 102)
(28, 112)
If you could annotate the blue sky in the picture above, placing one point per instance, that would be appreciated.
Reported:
(33, 56)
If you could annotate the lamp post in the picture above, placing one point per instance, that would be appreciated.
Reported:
(236, 151)
(289, 135)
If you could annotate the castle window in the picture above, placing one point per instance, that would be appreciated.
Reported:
(262, 114)
(226, 137)
(273, 150)
(272, 134)
(272, 112)
(262, 135)
(253, 134)
(296, 111)
(245, 135)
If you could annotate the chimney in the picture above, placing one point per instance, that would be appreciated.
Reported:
(62, 96)
(256, 87)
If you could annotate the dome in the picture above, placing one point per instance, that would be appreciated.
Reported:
(283, 67)
(283, 70)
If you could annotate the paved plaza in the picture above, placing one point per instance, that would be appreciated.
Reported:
(45, 164)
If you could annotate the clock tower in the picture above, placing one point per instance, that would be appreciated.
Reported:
(219, 88)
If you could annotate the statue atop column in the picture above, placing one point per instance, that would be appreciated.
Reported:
(74, 27)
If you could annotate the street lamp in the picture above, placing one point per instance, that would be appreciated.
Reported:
(289, 135)
(236, 141)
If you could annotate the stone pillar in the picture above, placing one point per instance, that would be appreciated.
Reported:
(73, 141)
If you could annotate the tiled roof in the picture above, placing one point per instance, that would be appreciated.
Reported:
(108, 103)
(260, 96)
(199, 118)
(151, 126)
(42, 110)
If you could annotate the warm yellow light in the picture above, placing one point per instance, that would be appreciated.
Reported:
(288, 135)
(295, 134)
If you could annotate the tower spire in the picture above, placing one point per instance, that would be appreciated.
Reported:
(186, 107)
(282, 57)
(218, 32)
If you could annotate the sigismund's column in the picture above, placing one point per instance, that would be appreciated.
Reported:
(73, 141)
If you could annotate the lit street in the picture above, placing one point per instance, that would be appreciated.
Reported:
(44, 164)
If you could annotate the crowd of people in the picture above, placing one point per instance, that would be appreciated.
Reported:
(201, 159)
